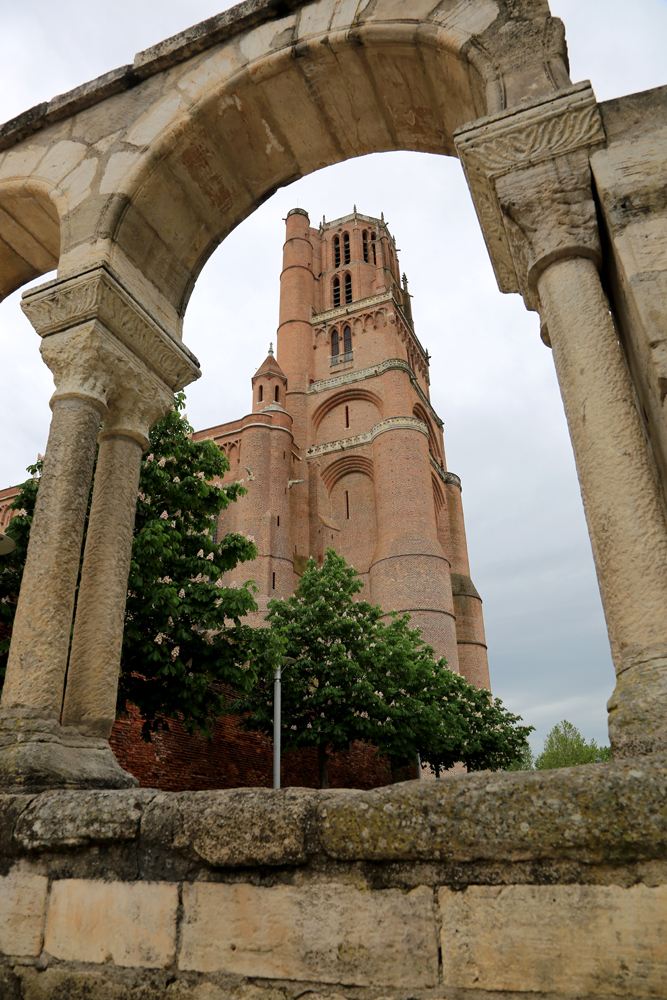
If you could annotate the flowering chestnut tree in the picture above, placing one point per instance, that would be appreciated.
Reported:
(358, 677)
(185, 644)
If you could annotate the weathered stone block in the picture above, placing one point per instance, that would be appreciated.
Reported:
(323, 933)
(74, 819)
(22, 906)
(245, 826)
(566, 940)
(130, 924)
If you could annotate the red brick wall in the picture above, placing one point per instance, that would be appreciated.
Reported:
(177, 761)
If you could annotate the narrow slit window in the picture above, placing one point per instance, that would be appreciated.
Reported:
(278, 521)
(373, 246)
(336, 252)
(347, 416)
(277, 394)
(261, 393)
(274, 581)
(364, 240)
(347, 505)
(346, 247)
(336, 293)
(347, 341)
(348, 288)
(335, 345)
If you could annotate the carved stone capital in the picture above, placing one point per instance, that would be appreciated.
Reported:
(98, 295)
(88, 362)
(529, 176)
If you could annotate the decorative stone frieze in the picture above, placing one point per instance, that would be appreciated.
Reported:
(528, 173)
(99, 295)
(363, 373)
(399, 423)
(344, 444)
(331, 314)
(447, 477)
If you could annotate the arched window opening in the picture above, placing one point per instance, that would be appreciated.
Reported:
(346, 247)
(261, 393)
(347, 416)
(347, 505)
(364, 240)
(373, 246)
(336, 252)
(335, 346)
(348, 288)
(336, 293)
(347, 340)
(277, 394)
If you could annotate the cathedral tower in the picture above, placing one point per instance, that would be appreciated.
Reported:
(343, 447)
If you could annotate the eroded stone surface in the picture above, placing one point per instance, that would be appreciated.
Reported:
(73, 819)
(596, 941)
(22, 906)
(128, 924)
(241, 827)
(324, 933)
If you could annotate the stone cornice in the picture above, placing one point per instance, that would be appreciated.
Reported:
(514, 140)
(390, 424)
(391, 363)
(340, 311)
(99, 295)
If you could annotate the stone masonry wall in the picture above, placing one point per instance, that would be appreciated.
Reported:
(540, 885)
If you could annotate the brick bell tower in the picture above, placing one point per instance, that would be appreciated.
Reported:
(343, 447)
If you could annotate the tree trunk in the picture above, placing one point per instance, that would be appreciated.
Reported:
(322, 765)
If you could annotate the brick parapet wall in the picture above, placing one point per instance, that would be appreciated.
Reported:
(176, 760)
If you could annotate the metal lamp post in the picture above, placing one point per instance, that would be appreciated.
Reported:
(277, 691)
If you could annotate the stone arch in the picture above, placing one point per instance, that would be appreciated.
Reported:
(343, 467)
(30, 214)
(342, 397)
(208, 136)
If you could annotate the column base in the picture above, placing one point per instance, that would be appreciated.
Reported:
(37, 755)
(638, 709)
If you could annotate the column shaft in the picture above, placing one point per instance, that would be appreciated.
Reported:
(41, 635)
(92, 679)
(624, 509)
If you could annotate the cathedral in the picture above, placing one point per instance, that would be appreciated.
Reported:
(343, 448)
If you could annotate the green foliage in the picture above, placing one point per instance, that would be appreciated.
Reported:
(526, 762)
(185, 644)
(356, 677)
(11, 565)
(564, 746)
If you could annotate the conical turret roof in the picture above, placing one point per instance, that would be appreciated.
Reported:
(270, 364)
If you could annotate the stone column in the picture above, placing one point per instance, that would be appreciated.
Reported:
(97, 340)
(92, 676)
(530, 176)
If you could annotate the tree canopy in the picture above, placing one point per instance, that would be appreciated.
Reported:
(356, 676)
(185, 644)
(564, 746)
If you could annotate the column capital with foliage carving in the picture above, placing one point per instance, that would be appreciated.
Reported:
(529, 176)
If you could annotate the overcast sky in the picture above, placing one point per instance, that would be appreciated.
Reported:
(492, 380)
